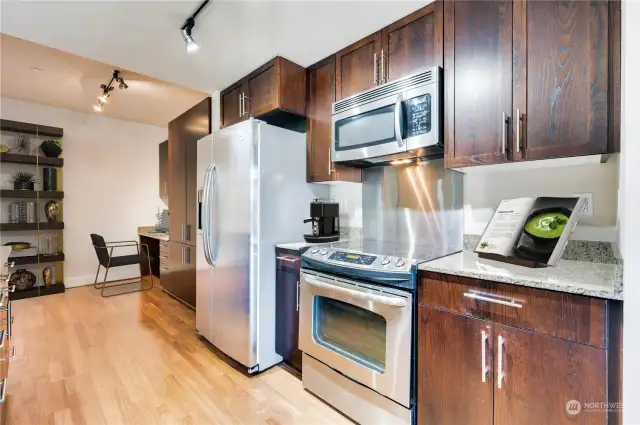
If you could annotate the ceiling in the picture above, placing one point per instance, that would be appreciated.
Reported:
(235, 36)
(68, 81)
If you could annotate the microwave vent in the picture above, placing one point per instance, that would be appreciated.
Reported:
(389, 89)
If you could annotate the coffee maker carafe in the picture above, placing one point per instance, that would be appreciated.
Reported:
(325, 222)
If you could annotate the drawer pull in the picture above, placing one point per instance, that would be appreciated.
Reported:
(9, 356)
(485, 368)
(4, 390)
(500, 372)
(290, 260)
(489, 298)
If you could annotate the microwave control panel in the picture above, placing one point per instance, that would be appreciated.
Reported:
(417, 115)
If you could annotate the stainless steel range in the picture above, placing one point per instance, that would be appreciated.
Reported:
(358, 298)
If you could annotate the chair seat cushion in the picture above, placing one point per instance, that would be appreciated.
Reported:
(127, 260)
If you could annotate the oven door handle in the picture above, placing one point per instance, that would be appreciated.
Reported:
(398, 122)
(378, 299)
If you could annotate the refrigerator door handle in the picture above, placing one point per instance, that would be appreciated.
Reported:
(208, 198)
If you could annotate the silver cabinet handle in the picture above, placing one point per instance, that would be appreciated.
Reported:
(9, 321)
(329, 161)
(518, 119)
(501, 341)
(375, 69)
(4, 390)
(485, 368)
(165, 188)
(290, 260)
(489, 298)
(297, 295)
(9, 356)
(397, 123)
(240, 105)
(378, 299)
(187, 232)
(504, 132)
(243, 109)
(383, 71)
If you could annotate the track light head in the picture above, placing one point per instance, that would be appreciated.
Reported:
(122, 85)
(189, 43)
(103, 98)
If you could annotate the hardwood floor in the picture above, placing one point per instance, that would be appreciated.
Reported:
(135, 359)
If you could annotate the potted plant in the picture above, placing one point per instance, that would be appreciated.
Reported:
(51, 148)
(23, 181)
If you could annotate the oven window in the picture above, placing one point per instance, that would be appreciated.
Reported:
(354, 332)
(366, 129)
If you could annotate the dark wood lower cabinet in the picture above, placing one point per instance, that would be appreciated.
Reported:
(451, 390)
(546, 379)
(287, 307)
(180, 277)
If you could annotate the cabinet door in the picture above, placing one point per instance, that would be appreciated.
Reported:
(180, 279)
(177, 182)
(320, 96)
(230, 105)
(478, 57)
(561, 77)
(163, 168)
(287, 322)
(454, 385)
(542, 375)
(357, 66)
(412, 44)
(263, 90)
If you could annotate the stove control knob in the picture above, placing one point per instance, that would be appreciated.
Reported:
(385, 261)
(399, 262)
(323, 251)
(314, 250)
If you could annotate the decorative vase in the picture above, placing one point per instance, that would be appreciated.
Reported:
(23, 185)
(46, 276)
(49, 179)
(52, 211)
(23, 279)
(50, 149)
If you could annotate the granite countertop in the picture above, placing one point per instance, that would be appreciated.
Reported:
(576, 277)
(150, 232)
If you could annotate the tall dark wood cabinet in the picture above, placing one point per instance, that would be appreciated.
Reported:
(450, 364)
(528, 80)
(231, 105)
(184, 133)
(412, 44)
(163, 169)
(357, 67)
(287, 307)
(477, 73)
(320, 96)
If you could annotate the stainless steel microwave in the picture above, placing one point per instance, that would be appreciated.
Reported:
(397, 121)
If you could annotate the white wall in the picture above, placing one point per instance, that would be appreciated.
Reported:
(630, 209)
(110, 181)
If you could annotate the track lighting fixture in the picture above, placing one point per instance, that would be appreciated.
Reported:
(108, 88)
(189, 43)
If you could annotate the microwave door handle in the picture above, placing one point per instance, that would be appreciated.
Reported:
(398, 123)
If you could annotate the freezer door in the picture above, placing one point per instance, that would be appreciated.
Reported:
(234, 219)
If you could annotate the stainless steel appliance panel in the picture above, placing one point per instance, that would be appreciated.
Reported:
(419, 206)
(232, 222)
(204, 271)
(362, 330)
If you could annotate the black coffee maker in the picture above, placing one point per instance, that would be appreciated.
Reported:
(325, 222)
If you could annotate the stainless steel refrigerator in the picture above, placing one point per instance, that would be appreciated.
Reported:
(252, 194)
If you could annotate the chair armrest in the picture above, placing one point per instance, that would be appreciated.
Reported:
(121, 242)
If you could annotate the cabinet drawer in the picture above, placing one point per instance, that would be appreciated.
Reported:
(285, 261)
(569, 316)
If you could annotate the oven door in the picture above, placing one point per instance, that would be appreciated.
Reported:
(361, 330)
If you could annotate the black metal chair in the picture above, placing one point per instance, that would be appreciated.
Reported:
(104, 251)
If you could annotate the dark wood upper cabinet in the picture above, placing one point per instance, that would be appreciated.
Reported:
(357, 66)
(561, 84)
(231, 105)
(320, 96)
(163, 168)
(477, 69)
(412, 44)
(454, 386)
(275, 93)
(542, 375)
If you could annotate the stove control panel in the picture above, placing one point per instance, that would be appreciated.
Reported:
(352, 258)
